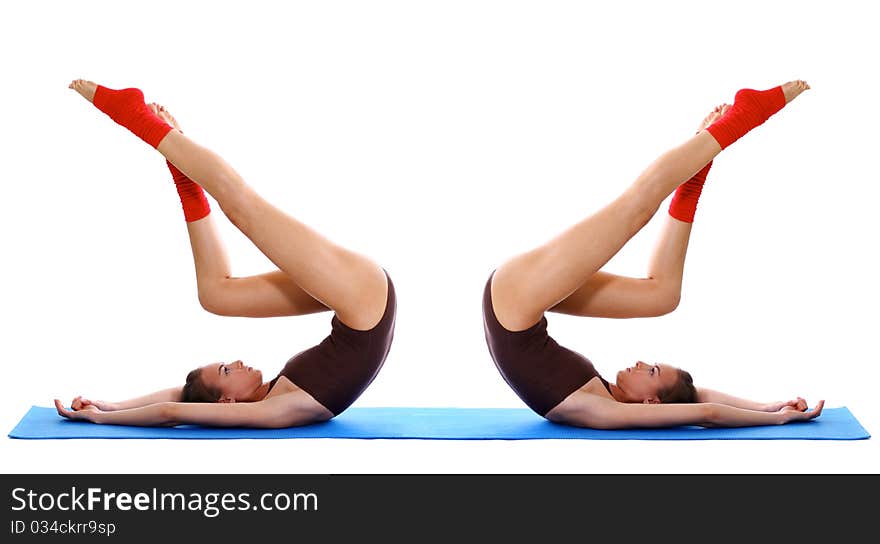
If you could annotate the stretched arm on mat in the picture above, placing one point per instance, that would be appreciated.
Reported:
(717, 397)
(276, 412)
(241, 399)
(172, 394)
(597, 412)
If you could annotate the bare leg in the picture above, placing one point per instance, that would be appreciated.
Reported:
(529, 284)
(348, 283)
(613, 296)
(272, 294)
(526, 286)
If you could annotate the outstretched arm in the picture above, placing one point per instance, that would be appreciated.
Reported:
(277, 412)
(717, 397)
(172, 394)
(603, 413)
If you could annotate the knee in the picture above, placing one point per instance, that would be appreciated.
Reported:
(644, 212)
(211, 300)
(637, 208)
(235, 210)
(668, 302)
(236, 204)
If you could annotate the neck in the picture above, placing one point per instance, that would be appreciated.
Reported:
(617, 393)
(260, 393)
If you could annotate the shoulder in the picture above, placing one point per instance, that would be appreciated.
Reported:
(281, 386)
(288, 405)
(587, 403)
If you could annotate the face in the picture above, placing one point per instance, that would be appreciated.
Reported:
(235, 381)
(643, 382)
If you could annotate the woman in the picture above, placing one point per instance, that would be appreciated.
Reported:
(564, 276)
(313, 275)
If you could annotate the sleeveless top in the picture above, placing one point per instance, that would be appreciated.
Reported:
(540, 371)
(336, 371)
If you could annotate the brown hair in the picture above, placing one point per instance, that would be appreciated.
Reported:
(683, 391)
(196, 390)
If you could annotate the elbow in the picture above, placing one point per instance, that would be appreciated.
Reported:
(712, 413)
(168, 413)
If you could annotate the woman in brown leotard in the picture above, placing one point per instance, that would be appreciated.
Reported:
(564, 275)
(314, 275)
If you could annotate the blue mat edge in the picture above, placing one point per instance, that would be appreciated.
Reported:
(570, 433)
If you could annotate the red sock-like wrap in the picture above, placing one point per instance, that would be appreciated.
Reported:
(684, 202)
(192, 196)
(127, 107)
(750, 109)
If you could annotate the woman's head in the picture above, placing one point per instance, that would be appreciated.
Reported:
(655, 384)
(222, 382)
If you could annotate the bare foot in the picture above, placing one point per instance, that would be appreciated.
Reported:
(713, 115)
(164, 114)
(793, 88)
(84, 87)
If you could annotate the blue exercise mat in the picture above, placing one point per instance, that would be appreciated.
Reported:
(443, 424)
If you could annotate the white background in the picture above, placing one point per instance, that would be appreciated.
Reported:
(439, 138)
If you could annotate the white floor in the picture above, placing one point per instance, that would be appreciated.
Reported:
(438, 457)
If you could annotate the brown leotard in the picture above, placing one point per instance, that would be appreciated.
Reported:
(339, 369)
(540, 371)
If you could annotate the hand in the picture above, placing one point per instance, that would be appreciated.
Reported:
(798, 404)
(80, 403)
(790, 413)
(88, 412)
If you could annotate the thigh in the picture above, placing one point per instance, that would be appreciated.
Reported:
(514, 306)
(347, 282)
